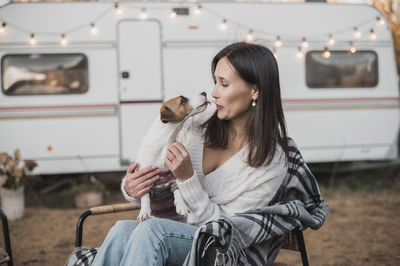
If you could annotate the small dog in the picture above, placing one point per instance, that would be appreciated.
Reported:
(164, 131)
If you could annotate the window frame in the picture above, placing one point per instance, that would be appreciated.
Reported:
(3, 57)
(308, 54)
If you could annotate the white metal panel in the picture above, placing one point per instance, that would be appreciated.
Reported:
(140, 56)
(63, 138)
(188, 71)
(344, 135)
(135, 121)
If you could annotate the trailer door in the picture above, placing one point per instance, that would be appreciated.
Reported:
(140, 60)
(140, 82)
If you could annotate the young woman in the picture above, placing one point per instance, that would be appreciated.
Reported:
(236, 161)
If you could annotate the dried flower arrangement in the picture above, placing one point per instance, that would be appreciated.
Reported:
(13, 170)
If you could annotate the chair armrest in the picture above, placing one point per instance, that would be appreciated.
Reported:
(122, 207)
(6, 235)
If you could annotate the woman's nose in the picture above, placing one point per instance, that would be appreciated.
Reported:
(214, 93)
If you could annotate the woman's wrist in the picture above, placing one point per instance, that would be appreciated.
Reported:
(185, 176)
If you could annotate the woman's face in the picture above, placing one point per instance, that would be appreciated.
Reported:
(233, 96)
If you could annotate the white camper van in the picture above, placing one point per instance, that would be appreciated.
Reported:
(81, 82)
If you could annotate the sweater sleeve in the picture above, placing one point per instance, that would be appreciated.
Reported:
(126, 195)
(201, 207)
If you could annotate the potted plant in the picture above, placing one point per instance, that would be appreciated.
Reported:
(13, 173)
(88, 194)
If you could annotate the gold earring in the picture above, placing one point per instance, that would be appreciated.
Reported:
(253, 103)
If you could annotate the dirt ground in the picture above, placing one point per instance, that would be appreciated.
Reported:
(362, 229)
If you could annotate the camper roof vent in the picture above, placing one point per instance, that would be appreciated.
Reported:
(181, 11)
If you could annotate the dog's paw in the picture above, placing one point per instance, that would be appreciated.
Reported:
(181, 208)
(144, 215)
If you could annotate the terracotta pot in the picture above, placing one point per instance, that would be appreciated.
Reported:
(88, 199)
(13, 202)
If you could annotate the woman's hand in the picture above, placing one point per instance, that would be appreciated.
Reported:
(178, 161)
(138, 183)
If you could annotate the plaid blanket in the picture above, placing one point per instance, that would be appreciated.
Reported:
(255, 236)
(81, 256)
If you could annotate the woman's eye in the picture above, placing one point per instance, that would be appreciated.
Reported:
(224, 85)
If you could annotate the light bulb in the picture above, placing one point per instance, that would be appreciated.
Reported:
(63, 40)
(352, 49)
(380, 21)
(172, 14)
(118, 10)
(299, 53)
(32, 40)
(331, 40)
(357, 34)
(326, 53)
(143, 14)
(372, 35)
(197, 10)
(3, 27)
(250, 36)
(222, 25)
(278, 42)
(93, 29)
(304, 43)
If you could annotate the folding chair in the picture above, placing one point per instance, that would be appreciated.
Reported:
(292, 241)
(295, 241)
(5, 255)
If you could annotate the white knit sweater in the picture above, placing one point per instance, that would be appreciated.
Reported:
(231, 188)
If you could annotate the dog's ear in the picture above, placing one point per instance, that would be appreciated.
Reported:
(167, 116)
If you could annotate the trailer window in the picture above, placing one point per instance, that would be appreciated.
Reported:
(32, 74)
(341, 69)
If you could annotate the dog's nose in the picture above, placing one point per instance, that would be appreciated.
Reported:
(204, 94)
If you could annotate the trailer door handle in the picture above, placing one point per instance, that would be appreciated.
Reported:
(125, 74)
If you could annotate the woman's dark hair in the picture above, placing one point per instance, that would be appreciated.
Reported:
(266, 127)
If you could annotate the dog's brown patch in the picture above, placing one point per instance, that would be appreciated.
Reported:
(175, 110)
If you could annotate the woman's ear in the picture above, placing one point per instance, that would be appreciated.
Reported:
(254, 93)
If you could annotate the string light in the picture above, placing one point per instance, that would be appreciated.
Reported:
(93, 29)
(143, 14)
(172, 14)
(118, 10)
(250, 36)
(299, 53)
(32, 39)
(278, 42)
(331, 40)
(380, 21)
(63, 40)
(357, 34)
(352, 49)
(326, 53)
(222, 25)
(304, 43)
(197, 10)
(3, 27)
(372, 35)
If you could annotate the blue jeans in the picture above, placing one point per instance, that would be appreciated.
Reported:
(152, 242)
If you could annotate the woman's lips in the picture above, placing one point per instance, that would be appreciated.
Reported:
(219, 107)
